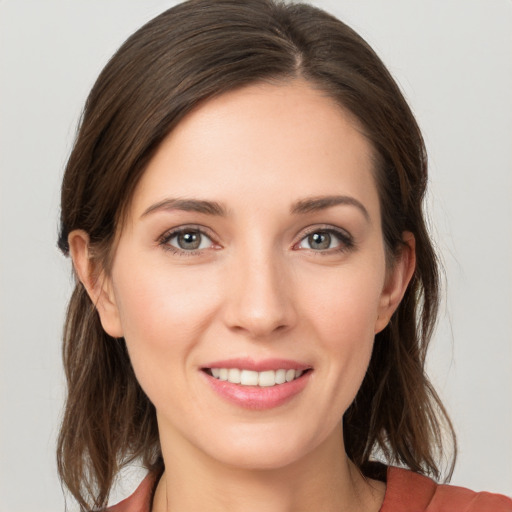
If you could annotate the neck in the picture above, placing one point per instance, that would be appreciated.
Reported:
(322, 480)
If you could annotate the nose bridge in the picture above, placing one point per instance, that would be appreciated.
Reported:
(259, 300)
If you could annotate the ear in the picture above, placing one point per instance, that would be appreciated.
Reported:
(97, 284)
(397, 280)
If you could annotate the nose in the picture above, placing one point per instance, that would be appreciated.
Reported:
(259, 298)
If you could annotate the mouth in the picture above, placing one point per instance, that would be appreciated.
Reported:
(263, 379)
(257, 385)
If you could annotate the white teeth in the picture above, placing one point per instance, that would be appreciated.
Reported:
(248, 378)
(234, 375)
(290, 375)
(267, 378)
(280, 376)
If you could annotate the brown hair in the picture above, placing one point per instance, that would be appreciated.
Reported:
(186, 55)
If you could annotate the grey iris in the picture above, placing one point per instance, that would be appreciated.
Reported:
(319, 240)
(189, 240)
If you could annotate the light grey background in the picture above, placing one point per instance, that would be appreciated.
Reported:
(453, 60)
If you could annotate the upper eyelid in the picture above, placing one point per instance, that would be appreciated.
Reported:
(344, 237)
(172, 232)
(324, 227)
(164, 239)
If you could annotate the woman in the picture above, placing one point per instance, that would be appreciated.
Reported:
(256, 286)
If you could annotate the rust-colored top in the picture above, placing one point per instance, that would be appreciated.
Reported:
(409, 492)
(405, 492)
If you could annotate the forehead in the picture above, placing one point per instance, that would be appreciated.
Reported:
(249, 144)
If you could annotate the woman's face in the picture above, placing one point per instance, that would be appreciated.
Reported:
(253, 250)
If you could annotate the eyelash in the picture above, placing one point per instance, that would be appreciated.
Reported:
(164, 240)
(346, 241)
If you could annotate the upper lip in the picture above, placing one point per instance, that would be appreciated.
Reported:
(245, 363)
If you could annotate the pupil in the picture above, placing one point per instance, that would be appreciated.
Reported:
(320, 240)
(189, 240)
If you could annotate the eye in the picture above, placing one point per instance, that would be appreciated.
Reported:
(187, 240)
(325, 240)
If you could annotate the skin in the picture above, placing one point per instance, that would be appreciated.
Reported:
(256, 287)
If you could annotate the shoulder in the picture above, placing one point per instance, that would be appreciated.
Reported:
(140, 500)
(410, 492)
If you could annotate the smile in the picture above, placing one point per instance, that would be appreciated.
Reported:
(257, 384)
(267, 378)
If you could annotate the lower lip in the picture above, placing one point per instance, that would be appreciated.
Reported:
(256, 397)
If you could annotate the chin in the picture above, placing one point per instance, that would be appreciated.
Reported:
(257, 459)
(265, 448)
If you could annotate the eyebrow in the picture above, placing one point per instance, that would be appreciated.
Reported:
(307, 205)
(188, 205)
(313, 204)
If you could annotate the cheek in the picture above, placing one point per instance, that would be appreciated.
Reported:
(160, 297)
(162, 315)
(344, 311)
(345, 304)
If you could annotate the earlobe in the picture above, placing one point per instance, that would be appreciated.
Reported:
(397, 281)
(97, 284)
